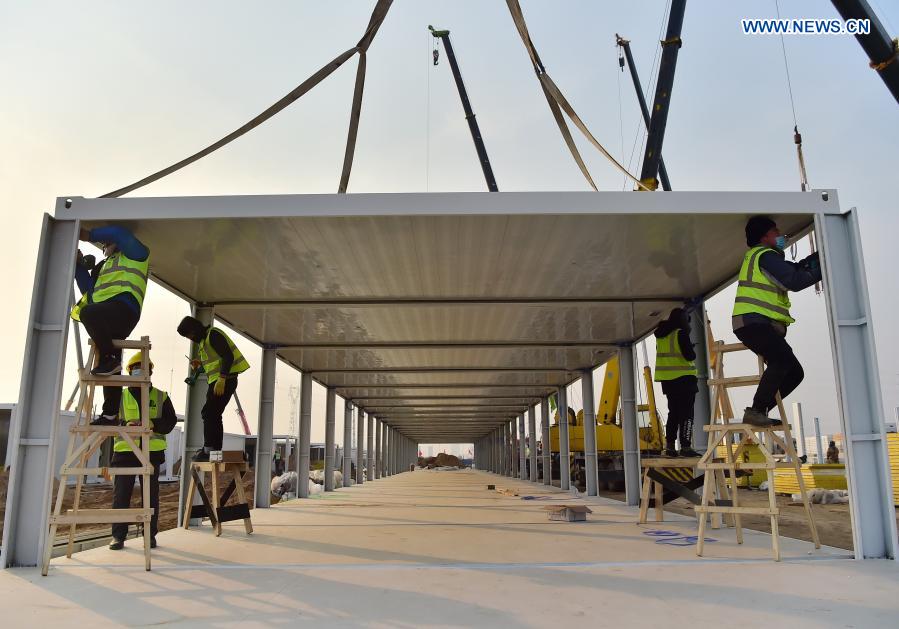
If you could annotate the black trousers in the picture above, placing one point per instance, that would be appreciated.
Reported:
(783, 373)
(124, 487)
(107, 321)
(681, 394)
(213, 432)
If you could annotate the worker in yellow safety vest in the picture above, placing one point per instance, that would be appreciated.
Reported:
(222, 361)
(676, 370)
(112, 296)
(162, 420)
(761, 312)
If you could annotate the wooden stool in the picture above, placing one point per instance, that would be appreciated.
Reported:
(666, 479)
(214, 510)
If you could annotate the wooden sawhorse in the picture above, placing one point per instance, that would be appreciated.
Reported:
(214, 510)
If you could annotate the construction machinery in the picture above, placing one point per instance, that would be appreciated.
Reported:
(609, 435)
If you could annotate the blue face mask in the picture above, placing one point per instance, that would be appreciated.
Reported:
(137, 371)
(781, 242)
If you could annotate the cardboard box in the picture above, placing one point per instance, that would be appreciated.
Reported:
(568, 513)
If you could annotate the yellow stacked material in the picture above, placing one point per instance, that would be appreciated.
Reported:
(751, 454)
(832, 476)
(893, 450)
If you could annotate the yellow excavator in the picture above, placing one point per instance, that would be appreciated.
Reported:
(609, 436)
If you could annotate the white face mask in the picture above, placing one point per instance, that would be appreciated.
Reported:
(137, 371)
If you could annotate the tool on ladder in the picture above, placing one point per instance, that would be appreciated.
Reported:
(85, 439)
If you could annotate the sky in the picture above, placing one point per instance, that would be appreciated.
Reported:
(101, 93)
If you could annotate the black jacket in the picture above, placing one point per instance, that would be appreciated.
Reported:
(668, 326)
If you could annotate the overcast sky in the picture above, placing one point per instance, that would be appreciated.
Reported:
(99, 94)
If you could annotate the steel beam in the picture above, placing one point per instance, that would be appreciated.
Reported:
(591, 469)
(290, 304)
(305, 432)
(349, 345)
(347, 443)
(35, 420)
(370, 448)
(564, 452)
(522, 456)
(532, 443)
(451, 369)
(330, 454)
(545, 441)
(629, 427)
(265, 430)
(857, 386)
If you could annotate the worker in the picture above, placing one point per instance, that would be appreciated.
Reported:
(222, 362)
(112, 295)
(833, 453)
(162, 420)
(761, 313)
(676, 370)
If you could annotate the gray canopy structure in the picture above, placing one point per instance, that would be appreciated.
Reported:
(448, 316)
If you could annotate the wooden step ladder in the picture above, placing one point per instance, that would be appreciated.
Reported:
(85, 440)
(722, 432)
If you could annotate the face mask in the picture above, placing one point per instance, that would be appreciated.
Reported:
(137, 371)
(781, 242)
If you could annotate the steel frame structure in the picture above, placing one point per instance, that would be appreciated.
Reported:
(33, 434)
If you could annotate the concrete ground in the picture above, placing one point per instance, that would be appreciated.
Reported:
(436, 548)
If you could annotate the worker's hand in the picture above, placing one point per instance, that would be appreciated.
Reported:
(219, 387)
(195, 364)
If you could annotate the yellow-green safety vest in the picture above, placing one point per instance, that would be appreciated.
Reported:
(212, 362)
(130, 412)
(670, 362)
(756, 294)
(118, 274)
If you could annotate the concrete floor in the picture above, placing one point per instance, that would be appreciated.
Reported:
(438, 549)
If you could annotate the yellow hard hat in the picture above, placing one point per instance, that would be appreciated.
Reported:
(136, 360)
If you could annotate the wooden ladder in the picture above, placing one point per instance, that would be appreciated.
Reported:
(722, 432)
(85, 440)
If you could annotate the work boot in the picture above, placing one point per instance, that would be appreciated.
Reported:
(670, 452)
(152, 542)
(202, 456)
(106, 420)
(108, 366)
(689, 453)
(757, 418)
(116, 544)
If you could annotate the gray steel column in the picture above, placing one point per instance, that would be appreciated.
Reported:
(508, 452)
(265, 429)
(544, 442)
(797, 419)
(857, 384)
(532, 442)
(370, 449)
(382, 461)
(377, 464)
(330, 454)
(702, 411)
(192, 430)
(304, 438)
(360, 445)
(391, 446)
(591, 469)
(522, 451)
(564, 452)
(513, 446)
(629, 424)
(34, 428)
(347, 442)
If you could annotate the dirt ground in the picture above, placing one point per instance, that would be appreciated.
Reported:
(100, 496)
(832, 520)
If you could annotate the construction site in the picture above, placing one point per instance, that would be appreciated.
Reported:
(584, 389)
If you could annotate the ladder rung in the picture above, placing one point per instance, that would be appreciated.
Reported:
(105, 471)
(114, 381)
(131, 430)
(102, 516)
(735, 381)
(752, 427)
(736, 510)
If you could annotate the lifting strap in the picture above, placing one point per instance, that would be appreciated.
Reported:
(558, 103)
(377, 17)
